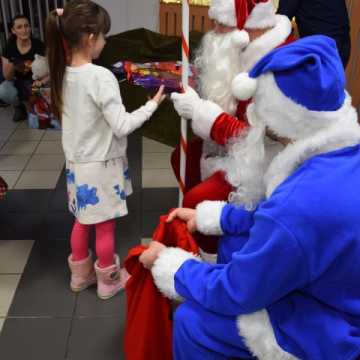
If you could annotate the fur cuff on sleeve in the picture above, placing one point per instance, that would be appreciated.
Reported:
(204, 117)
(208, 215)
(165, 268)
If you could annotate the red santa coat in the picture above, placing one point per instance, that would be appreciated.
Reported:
(217, 127)
(206, 172)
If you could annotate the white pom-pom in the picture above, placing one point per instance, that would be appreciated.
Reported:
(243, 87)
(240, 38)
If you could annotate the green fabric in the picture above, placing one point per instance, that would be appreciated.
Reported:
(142, 45)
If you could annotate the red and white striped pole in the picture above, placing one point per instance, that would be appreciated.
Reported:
(185, 82)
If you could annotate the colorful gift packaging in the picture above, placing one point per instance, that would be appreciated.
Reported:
(153, 74)
(40, 115)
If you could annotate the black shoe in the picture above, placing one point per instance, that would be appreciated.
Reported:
(3, 104)
(20, 113)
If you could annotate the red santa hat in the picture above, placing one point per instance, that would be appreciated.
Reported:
(244, 14)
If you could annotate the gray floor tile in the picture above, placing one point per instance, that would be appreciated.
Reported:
(19, 148)
(35, 339)
(156, 161)
(106, 336)
(52, 135)
(25, 201)
(14, 255)
(46, 162)
(39, 179)
(89, 305)
(8, 287)
(19, 226)
(150, 221)
(44, 286)
(159, 178)
(13, 162)
(152, 146)
(10, 177)
(27, 135)
(159, 199)
(49, 147)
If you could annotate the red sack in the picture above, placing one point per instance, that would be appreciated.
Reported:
(148, 329)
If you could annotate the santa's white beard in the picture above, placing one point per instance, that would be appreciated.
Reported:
(249, 158)
(217, 63)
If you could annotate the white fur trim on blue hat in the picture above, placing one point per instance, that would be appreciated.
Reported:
(262, 16)
(223, 11)
(243, 87)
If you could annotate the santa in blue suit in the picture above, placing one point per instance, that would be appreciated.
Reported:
(287, 281)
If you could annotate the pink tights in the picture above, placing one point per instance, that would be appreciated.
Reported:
(105, 242)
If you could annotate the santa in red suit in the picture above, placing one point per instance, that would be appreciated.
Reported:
(245, 31)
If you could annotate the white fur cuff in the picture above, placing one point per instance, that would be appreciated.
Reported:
(165, 268)
(205, 114)
(208, 215)
(258, 333)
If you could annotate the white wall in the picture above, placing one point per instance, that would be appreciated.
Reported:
(132, 14)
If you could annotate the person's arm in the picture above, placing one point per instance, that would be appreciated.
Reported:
(269, 266)
(227, 127)
(121, 122)
(8, 68)
(42, 82)
(288, 8)
(209, 121)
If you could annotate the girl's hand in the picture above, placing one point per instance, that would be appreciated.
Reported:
(160, 97)
(37, 83)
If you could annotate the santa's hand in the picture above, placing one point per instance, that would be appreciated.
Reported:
(185, 103)
(187, 215)
(148, 257)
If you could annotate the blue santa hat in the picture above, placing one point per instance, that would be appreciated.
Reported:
(308, 71)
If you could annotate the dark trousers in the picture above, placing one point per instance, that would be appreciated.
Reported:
(344, 47)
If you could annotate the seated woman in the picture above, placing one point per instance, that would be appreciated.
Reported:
(16, 64)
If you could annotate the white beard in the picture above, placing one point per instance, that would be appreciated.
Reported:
(218, 62)
(249, 158)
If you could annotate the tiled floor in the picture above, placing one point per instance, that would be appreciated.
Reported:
(29, 158)
(40, 317)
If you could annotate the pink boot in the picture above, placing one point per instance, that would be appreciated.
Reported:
(110, 280)
(82, 274)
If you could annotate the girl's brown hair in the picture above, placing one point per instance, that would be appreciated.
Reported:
(66, 33)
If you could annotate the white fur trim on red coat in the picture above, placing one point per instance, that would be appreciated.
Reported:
(262, 16)
(262, 45)
(259, 337)
(210, 165)
(208, 215)
(205, 114)
(165, 268)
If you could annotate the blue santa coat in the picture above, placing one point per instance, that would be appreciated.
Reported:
(301, 260)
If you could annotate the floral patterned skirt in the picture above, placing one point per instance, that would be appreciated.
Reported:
(97, 191)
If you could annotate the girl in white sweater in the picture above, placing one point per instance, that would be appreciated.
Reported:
(86, 98)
